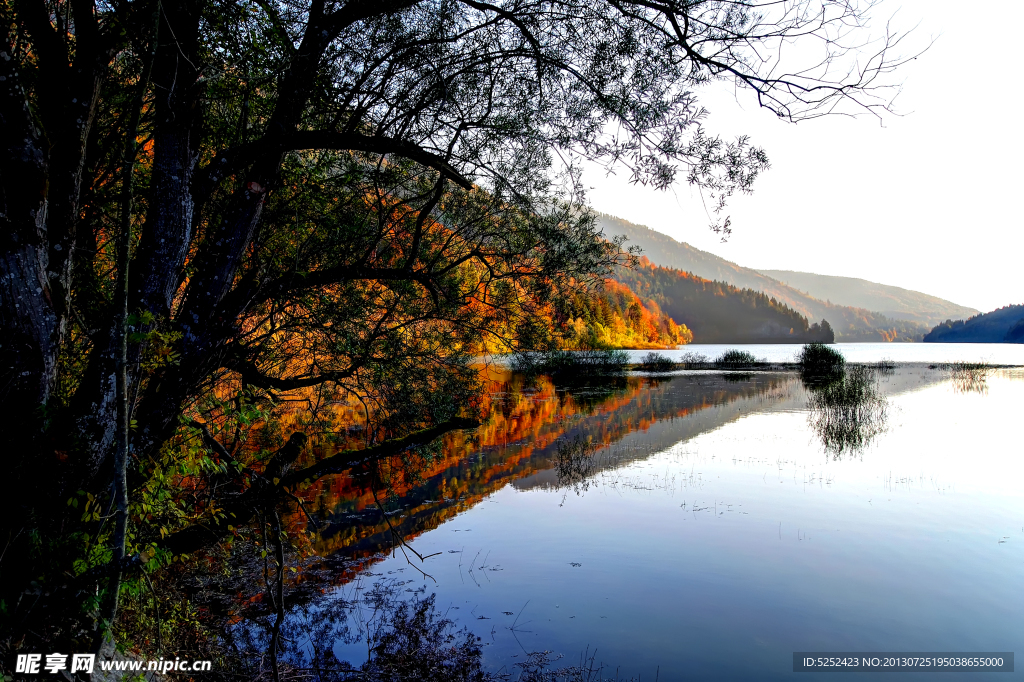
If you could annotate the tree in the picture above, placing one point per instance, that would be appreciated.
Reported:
(276, 196)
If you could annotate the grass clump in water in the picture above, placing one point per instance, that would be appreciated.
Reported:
(969, 377)
(885, 366)
(656, 362)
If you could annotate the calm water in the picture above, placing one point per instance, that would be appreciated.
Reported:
(993, 353)
(716, 534)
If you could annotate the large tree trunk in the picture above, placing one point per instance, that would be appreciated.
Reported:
(167, 233)
(29, 335)
(205, 324)
(156, 267)
(44, 148)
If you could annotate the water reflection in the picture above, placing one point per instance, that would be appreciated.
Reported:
(535, 434)
(969, 377)
(847, 409)
(714, 539)
(406, 637)
(538, 434)
(659, 461)
(575, 464)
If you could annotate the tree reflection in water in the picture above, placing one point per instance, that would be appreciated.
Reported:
(407, 638)
(847, 409)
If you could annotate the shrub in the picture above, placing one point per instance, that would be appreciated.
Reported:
(819, 358)
(656, 362)
(691, 360)
(736, 358)
(571, 363)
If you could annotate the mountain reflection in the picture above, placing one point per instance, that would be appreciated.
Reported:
(534, 434)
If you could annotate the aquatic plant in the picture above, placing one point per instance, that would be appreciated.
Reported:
(969, 377)
(884, 366)
(539, 667)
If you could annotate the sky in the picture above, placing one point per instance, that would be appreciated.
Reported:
(926, 200)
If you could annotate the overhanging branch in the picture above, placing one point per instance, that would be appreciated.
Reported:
(233, 160)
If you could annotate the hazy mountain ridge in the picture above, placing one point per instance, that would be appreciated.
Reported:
(1003, 325)
(891, 301)
(849, 323)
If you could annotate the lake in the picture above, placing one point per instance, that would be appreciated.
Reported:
(992, 353)
(717, 524)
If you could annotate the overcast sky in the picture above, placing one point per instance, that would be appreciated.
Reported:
(927, 201)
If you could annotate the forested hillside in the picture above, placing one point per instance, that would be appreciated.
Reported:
(615, 317)
(1004, 325)
(849, 323)
(717, 312)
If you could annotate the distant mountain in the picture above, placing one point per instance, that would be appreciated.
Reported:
(849, 323)
(716, 312)
(1003, 325)
(893, 302)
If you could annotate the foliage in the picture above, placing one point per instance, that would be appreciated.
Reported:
(1016, 333)
(418, 644)
(615, 317)
(885, 366)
